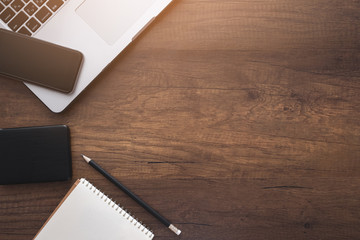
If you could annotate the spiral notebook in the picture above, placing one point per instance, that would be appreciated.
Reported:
(86, 213)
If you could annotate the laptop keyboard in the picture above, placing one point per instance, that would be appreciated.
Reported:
(27, 16)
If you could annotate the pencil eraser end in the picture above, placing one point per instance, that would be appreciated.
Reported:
(175, 229)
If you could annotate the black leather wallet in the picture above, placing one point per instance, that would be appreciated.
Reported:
(35, 154)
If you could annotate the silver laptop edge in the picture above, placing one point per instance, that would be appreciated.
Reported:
(71, 27)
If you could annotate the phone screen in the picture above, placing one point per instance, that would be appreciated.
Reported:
(35, 61)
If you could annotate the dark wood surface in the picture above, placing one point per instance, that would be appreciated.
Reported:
(234, 119)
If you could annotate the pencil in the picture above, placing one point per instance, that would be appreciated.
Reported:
(132, 195)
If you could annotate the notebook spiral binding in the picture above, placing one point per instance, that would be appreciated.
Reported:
(121, 210)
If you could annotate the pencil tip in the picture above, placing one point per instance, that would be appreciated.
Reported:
(86, 158)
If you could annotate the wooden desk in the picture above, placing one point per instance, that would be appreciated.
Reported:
(234, 119)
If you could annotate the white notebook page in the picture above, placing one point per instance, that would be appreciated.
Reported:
(87, 214)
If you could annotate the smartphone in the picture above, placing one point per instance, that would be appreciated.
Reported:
(39, 62)
(35, 154)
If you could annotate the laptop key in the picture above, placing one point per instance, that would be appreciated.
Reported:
(33, 25)
(30, 9)
(18, 21)
(17, 5)
(1, 7)
(39, 2)
(24, 31)
(43, 14)
(54, 4)
(6, 2)
(7, 15)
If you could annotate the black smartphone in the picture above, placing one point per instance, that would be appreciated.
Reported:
(35, 154)
(39, 62)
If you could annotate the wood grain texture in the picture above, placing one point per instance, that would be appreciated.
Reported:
(234, 119)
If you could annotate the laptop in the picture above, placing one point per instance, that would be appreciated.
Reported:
(99, 29)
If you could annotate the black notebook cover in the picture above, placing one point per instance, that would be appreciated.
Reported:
(35, 154)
